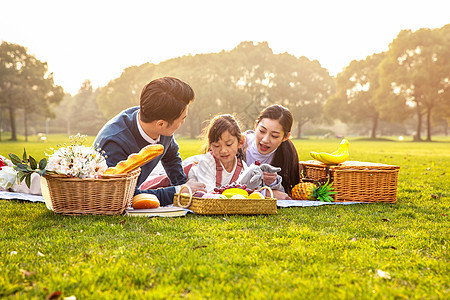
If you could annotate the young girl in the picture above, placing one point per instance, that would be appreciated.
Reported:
(270, 144)
(222, 163)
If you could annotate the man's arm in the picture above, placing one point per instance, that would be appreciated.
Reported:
(165, 195)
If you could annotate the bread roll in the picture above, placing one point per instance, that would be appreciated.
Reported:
(141, 201)
(136, 160)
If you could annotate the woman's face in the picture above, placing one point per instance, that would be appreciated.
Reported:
(269, 135)
(226, 148)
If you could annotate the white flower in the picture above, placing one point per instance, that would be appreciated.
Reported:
(77, 161)
(8, 176)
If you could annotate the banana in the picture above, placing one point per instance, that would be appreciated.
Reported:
(336, 157)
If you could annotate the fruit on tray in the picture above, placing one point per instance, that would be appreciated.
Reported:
(136, 160)
(238, 196)
(220, 190)
(198, 194)
(235, 191)
(312, 191)
(256, 195)
(214, 196)
(336, 157)
(141, 201)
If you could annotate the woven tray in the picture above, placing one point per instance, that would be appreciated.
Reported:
(356, 181)
(109, 195)
(206, 206)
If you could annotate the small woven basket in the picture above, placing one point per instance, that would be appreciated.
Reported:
(109, 195)
(207, 206)
(355, 181)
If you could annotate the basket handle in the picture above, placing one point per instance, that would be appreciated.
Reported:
(190, 197)
(267, 188)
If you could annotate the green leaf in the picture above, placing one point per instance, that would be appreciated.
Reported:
(28, 180)
(42, 172)
(21, 175)
(21, 167)
(15, 159)
(24, 155)
(42, 163)
(33, 163)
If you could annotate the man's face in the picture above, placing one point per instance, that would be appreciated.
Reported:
(169, 130)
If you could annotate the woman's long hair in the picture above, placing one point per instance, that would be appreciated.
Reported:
(285, 156)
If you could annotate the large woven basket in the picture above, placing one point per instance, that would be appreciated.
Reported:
(206, 206)
(109, 195)
(356, 181)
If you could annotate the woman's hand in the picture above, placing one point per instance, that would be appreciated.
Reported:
(269, 178)
(281, 195)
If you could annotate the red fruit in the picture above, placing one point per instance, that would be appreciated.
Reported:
(257, 162)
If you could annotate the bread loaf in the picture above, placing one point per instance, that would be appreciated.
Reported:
(142, 201)
(136, 160)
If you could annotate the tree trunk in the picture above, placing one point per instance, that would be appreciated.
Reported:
(299, 129)
(1, 123)
(13, 124)
(418, 137)
(192, 128)
(373, 134)
(25, 124)
(429, 124)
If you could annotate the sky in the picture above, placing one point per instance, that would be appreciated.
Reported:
(98, 39)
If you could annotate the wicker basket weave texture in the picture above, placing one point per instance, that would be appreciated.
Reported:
(357, 181)
(109, 195)
(207, 206)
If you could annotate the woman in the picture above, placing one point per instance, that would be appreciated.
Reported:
(270, 144)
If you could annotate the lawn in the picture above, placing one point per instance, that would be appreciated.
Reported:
(326, 252)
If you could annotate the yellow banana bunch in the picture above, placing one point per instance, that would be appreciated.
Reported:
(337, 157)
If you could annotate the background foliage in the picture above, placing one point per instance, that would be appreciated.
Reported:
(404, 90)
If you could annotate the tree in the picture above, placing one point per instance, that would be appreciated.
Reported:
(417, 70)
(86, 118)
(241, 81)
(357, 90)
(303, 86)
(25, 83)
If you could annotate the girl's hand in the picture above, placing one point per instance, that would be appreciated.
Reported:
(196, 186)
(269, 178)
(281, 195)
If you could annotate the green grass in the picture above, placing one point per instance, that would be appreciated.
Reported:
(327, 252)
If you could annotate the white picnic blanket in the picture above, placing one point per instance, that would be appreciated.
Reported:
(280, 203)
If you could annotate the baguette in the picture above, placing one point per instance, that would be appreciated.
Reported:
(136, 160)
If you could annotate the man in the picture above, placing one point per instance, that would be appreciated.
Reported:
(163, 108)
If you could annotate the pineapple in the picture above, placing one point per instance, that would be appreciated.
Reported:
(311, 191)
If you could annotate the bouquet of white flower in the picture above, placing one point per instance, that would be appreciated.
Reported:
(74, 160)
(77, 160)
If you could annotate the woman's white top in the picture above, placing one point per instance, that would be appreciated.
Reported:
(205, 171)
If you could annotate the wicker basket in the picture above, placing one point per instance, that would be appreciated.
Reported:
(206, 206)
(356, 181)
(109, 195)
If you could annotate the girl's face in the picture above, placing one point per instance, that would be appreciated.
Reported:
(226, 148)
(269, 135)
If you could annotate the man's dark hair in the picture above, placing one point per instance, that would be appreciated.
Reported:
(164, 99)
